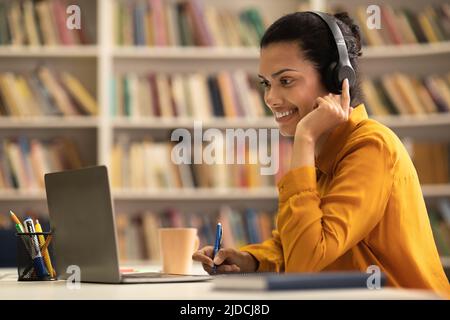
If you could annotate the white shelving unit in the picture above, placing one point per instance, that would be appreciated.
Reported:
(96, 64)
(47, 51)
(199, 194)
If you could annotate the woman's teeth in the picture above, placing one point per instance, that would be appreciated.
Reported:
(279, 115)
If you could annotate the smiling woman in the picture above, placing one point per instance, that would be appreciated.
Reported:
(352, 199)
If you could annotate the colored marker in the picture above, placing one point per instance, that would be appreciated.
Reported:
(36, 255)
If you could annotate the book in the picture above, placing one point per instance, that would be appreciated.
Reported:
(295, 281)
(185, 23)
(84, 99)
(24, 161)
(43, 22)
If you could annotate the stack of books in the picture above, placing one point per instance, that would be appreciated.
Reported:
(24, 161)
(44, 92)
(440, 224)
(398, 93)
(185, 23)
(149, 165)
(422, 152)
(37, 23)
(399, 26)
(195, 95)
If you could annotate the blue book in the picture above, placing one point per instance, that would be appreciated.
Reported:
(296, 281)
(252, 226)
(139, 27)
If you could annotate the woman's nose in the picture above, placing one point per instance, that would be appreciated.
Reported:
(272, 98)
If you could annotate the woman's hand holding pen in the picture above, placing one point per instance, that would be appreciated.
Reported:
(227, 260)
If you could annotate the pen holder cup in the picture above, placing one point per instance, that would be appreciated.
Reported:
(34, 257)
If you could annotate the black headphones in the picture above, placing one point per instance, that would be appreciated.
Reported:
(338, 70)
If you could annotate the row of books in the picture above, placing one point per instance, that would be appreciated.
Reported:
(400, 26)
(439, 171)
(148, 165)
(185, 23)
(193, 95)
(440, 224)
(235, 94)
(44, 92)
(399, 93)
(199, 96)
(24, 161)
(145, 164)
(27, 22)
(138, 233)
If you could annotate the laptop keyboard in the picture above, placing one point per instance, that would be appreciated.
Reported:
(151, 275)
(144, 275)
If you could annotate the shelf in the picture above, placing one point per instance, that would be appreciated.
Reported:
(183, 53)
(172, 123)
(48, 122)
(267, 193)
(402, 121)
(49, 51)
(22, 195)
(436, 190)
(200, 53)
(406, 50)
(420, 127)
(413, 121)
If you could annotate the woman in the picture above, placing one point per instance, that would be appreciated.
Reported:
(352, 198)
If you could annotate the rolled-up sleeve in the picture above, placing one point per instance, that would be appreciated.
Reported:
(314, 231)
(268, 253)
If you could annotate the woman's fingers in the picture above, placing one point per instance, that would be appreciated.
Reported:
(320, 101)
(345, 96)
(208, 268)
(227, 268)
(204, 256)
(222, 255)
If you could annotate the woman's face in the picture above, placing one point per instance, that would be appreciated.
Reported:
(291, 84)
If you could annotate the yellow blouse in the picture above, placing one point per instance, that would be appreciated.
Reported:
(362, 205)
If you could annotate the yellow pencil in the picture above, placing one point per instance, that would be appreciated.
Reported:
(45, 254)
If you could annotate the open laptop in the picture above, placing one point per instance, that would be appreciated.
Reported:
(82, 219)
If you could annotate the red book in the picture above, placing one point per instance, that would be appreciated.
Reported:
(65, 36)
(389, 17)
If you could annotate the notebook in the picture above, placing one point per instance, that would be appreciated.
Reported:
(296, 281)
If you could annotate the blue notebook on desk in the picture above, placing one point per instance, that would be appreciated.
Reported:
(294, 281)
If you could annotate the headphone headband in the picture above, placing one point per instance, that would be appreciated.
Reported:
(343, 62)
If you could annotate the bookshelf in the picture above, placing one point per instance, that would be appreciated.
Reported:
(47, 51)
(96, 63)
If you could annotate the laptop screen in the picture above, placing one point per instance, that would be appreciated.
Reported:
(82, 220)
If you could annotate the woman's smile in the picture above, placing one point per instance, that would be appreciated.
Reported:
(286, 115)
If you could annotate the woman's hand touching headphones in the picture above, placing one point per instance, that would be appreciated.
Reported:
(330, 111)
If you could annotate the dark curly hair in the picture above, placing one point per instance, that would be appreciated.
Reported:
(316, 42)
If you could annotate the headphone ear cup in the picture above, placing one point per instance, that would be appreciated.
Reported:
(346, 72)
(331, 78)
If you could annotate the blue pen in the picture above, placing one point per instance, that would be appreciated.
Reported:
(219, 232)
(36, 255)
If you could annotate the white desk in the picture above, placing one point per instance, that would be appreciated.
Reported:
(10, 288)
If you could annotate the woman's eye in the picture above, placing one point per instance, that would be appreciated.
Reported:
(285, 82)
(264, 84)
